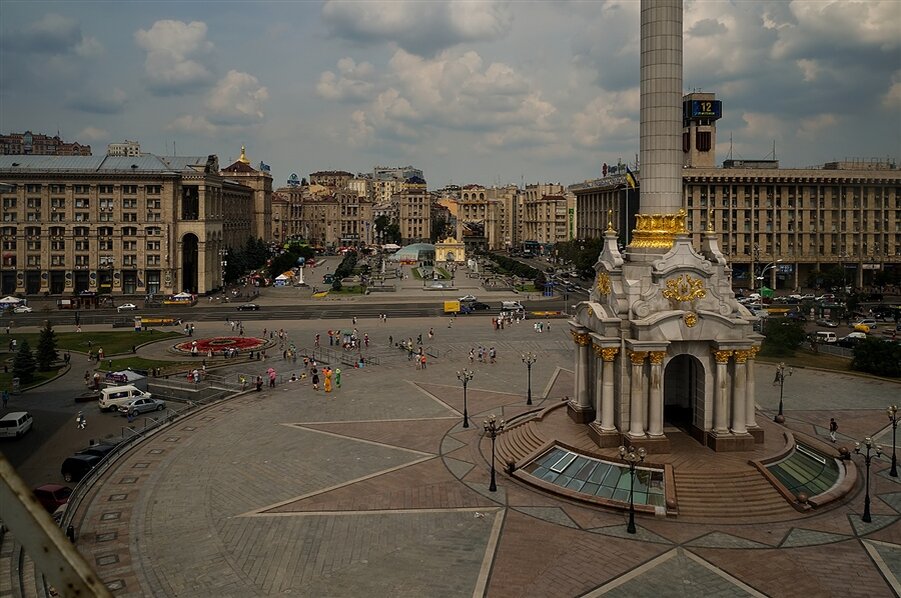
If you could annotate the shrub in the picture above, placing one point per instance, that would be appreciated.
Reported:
(878, 357)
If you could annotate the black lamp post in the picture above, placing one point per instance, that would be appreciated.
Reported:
(893, 417)
(633, 458)
(528, 359)
(465, 376)
(780, 380)
(867, 458)
(492, 429)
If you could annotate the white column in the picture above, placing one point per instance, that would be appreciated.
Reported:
(739, 388)
(750, 394)
(582, 369)
(720, 419)
(655, 398)
(598, 381)
(636, 394)
(607, 423)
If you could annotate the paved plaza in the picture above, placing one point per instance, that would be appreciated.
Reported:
(376, 489)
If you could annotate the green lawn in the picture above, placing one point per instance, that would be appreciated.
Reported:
(139, 363)
(804, 358)
(526, 288)
(112, 342)
(6, 380)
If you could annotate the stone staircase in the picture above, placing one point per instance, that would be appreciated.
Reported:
(18, 576)
(518, 441)
(728, 496)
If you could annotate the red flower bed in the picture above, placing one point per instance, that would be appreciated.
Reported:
(218, 343)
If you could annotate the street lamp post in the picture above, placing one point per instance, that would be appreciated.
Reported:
(867, 458)
(492, 429)
(893, 417)
(223, 253)
(766, 269)
(528, 359)
(465, 376)
(633, 458)
(780, 380)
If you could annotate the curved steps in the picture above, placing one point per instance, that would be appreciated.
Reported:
(518, 442)
(723, 495)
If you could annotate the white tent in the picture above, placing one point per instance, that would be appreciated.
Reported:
(184, 296)
(10, 300)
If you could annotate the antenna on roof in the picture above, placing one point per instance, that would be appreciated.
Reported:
(729, 157)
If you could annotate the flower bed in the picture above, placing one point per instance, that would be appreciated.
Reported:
(217, 343)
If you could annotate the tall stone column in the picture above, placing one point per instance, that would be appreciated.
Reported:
(750, 394)
(739, 392)
(636, 394)
(580, 408)
(720, 419)
(607, 415)
(598, 381)
(655, 398)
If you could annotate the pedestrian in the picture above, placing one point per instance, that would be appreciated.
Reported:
(316, 342)
(491, 355)
(355, 320)
(5, 397)
(327, 372)
(131, 415)
(472, 355)
(243, 379)
(314, 376)
(338, 377)
(259, 383)
(80, 421)
(833, 428)
(431, 334)
(100, 354)
(67, 357)
(422, 360)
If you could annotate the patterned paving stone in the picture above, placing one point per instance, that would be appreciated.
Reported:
(861, 528)
(450, 444)
(721, 540)
(550, 514)
(641, 534)
(893, 499)
(807, 537)
(500, 495)
(888, 558)
(459, 468)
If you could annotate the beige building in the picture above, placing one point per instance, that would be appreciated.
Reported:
(126, 148)
(414, 212)
(34, 144)
(261, 183)
(798, 221)
(120, 225)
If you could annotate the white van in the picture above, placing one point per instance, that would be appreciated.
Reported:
(114, 396)
(14, 425)
(512, 306)
(825, 336)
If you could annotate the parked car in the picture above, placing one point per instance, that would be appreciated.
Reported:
(22, 309)
(827, 323)
(52, 496)
(249, 307)
(127, 307)
(76, 467)
(98, 450)
(144, 405)
(478, 306)
(15, 424)
(113, 396)
(468, 298)
(868, 322)
(826, 297)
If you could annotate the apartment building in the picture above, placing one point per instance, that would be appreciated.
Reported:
(35, 144)
(126, 148)
(414, 211)
(114, 225)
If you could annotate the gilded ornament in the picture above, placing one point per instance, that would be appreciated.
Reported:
(603, 284)
(657, 357)
(742, 355)
(722, 356)
(580, 339)
(657, 230)
(684, 288)
(610, 228)
(609, 353)
(637, 357)
(754, 351)
(690, 319)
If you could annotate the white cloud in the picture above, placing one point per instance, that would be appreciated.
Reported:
(810, 127)
(361, 132)
(423, 28)
(892, 97)
(89, 47)
(99, 102)
(611, 116)
(353, 82)
(237, 99)
(176, 56)
(762, 126)
(197, 125)
(810, 68)
(93, 134)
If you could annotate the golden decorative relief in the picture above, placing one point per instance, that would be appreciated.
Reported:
(690, 319)
(657, 357)
(609, 353)
(684, 288)
(754, 351)
(603, 284)
(637, 357)
(722, 356)
(710, 215)
(598, 350)
(742, 355)
(580, 339)
(656, 231)
(610, 228)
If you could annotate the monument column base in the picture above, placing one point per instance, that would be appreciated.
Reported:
(604, 438)
(730, 443)
(578, 413)
(651, 444)
(758, 435)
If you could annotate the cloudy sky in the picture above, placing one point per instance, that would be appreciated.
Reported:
(470, 92)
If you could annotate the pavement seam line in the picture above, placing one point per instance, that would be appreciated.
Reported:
(382, 512)
(433, 397)
(728, 577)
(490, 551)
(371, 421)
(363, 440)
(632, 574)
(553, 380)
(869, 546)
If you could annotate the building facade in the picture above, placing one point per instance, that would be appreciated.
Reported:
(126, 148)
(109, 225)
(34, 144)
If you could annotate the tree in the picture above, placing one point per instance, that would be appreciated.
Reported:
(46, 353)
(392, 233)
(783, 336)
(878, 357)
(24, 364)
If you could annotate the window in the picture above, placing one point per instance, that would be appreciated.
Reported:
(81, 260)
(9, 245)
(82, 245)
(154, 189)
(106, 204)
(81, 217)
(702, 140)
(34, 203)
(57, 188)
(106, 244)
(9, 217)
(81, 231)
(129, 245)
(57, 245)
(153, 245)
(9, 202)
(129, 217)
(153, 204)
(153, 231)
(9, 231)
(106, 189)
(130, 203)
(57, 260)
(130, 260)
(34, 217)
(129, 231)
(33, 260)
(129, 189)
(82, 189)
(107, 217)
(153, 260)
(32, 188)
(105, 231)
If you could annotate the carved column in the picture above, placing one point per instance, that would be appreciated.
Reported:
(655, 398)
(607, 423)
(720, 419)
(739, 392)
(636, 395)
(598, 381)
(750, 418)
(582, 370)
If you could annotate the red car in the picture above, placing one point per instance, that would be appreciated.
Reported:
(52, 496)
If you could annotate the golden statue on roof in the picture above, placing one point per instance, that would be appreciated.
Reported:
(243, 159)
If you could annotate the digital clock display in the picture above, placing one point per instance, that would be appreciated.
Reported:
(706, 109)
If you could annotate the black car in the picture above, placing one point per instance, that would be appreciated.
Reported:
(249, 307)
(98, 450)
(77, 466)
(478, 306)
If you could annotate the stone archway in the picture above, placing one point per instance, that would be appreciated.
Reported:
(683, 391)
(189, 265)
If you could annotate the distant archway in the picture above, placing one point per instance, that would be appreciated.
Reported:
(189, 265)
(683, 391)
